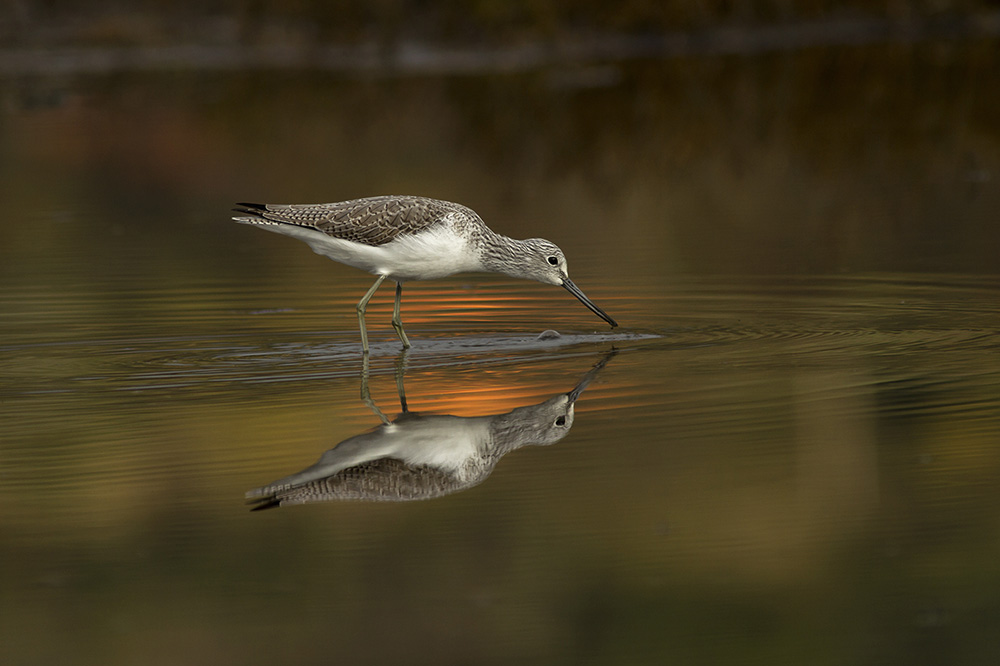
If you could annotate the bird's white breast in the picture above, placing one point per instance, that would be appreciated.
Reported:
(429, 254)
(442, 441)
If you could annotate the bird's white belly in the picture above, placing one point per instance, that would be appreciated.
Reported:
(442, 441)
(425, 256)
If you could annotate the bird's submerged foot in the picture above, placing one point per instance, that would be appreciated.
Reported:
(397, 322)
(402, 334)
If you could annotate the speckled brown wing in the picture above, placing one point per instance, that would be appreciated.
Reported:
(373, 221)
(381, 480)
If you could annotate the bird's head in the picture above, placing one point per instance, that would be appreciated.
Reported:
(545, 262)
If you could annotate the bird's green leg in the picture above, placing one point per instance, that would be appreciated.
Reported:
(397, 323)
(362, 306)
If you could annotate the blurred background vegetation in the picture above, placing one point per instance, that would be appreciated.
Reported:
(750, 141)
(453, 21)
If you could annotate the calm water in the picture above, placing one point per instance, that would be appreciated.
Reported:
(788, 453)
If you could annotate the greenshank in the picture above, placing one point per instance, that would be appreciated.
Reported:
(412, 238)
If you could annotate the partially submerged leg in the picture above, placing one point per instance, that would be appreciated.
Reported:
(400, 372)
(397, 323)
(362, 305)
(366, 395)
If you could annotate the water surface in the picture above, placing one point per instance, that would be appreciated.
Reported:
(769, 460)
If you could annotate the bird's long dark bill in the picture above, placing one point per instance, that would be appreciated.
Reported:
(575, 290)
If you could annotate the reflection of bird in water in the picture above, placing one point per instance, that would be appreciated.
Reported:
(420, 457)
(412, 238)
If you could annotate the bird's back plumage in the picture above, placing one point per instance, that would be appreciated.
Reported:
(373, 221)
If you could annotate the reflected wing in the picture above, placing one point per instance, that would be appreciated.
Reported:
(373, 221)
(382, 480)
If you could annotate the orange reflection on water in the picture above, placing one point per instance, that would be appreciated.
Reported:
(425, 302)
(438, 392)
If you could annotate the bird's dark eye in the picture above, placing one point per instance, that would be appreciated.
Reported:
(561, 421)
(553, 261)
